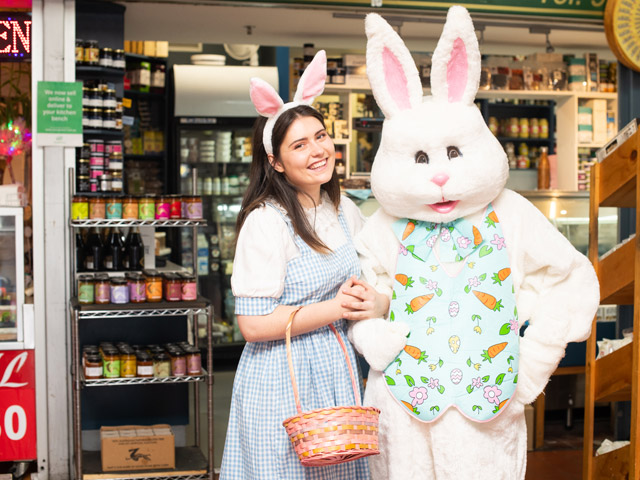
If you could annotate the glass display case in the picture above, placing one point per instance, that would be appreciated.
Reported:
(12, 331)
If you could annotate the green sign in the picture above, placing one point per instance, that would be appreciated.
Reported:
(592, 9)
(59, 114)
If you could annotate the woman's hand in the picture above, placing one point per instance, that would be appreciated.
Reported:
(362, 301)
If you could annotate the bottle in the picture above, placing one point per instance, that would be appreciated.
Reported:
(544, 173)
(95, 251)
(568, 424)
(113, 259)
(340, 167)
(135, 250)
(81, 253)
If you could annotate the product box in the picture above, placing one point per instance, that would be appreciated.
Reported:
(599, 119)
(350, 60)
(133, 447)
(356, 77)
(149, 48)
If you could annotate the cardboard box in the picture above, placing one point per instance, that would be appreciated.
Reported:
(599, 119)
(133, 447)
(528, 418)
(351, 60)
(149, 48)
(162, 49)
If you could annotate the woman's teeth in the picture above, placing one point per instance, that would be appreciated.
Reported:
(317, 165)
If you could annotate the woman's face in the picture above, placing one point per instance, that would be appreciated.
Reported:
(307, 157)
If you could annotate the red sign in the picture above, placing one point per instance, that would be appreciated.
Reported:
(15, 36)
(17, 405)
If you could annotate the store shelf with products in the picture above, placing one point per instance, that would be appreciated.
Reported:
(615, 182)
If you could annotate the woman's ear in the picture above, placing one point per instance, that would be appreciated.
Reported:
(277, 166)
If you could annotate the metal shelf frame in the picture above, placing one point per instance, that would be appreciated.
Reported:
(118, 222)
(112, 382)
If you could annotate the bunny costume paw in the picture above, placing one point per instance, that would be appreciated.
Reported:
(467, 263)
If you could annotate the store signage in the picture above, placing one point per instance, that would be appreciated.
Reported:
(17, 405)
(59, 114)
(15, 36)
(593, 9)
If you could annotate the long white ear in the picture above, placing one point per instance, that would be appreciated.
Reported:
(311, 82)
(391, 70)
(455, 66)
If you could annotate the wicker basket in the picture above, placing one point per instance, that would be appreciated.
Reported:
(328, 436)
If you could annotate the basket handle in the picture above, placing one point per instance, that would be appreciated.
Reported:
(354, 384)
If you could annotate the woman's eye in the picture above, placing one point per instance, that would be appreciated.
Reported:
(453, 152)
(422, 157)
(321, 136)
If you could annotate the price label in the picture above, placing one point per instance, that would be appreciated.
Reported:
(17, 406)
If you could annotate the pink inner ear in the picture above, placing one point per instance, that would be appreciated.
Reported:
(314, 79)
(265, 98)
(457, 71)
(395, 79)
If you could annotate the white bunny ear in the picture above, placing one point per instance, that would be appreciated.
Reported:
(264, 97)
(391, 70)
(455, 66)
(311, 82)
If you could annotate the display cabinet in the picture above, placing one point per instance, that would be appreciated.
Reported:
(12, 323)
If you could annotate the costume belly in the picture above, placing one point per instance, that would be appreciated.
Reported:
(453, 286)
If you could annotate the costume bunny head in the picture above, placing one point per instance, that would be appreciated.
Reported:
(437, 160)
(269, 104)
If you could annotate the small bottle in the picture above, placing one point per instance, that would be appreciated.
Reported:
(544, 170)
(135, 250)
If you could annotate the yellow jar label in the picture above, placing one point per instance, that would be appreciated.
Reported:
(79, 210)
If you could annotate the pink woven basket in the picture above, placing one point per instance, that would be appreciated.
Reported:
(328, 436)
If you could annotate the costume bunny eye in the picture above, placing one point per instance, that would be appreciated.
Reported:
(453, 152)
(422, 157)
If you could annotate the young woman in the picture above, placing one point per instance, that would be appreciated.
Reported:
(294, 249)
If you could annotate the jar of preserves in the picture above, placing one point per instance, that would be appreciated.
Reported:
(534, 128)
(105, 183)
(544, 127)
(110, 363)
(153, 285)
(172, 287)
(85, 289)
(102, 289)
(194, 361)
(116, 181)
(82, 167)
(130, 208)
(83, 184)
(95, 117)
(95, 98)
(86, 97)
(144, 364)
(524, 127)
(108, 118)
(105, 58)
(97, 208)
(79, 51)
(175, 209)
(119, 290)
(79, 207)
(193, 207)
(161, 365)
(91, 52)
(137, 288)
(189, 287)
(147, 208)
(114, 208)
(118, 59)
(128, 364)
(163, 207)
(93, 366)
(115, 161)
(89, 350)
(86, 117)
(178, 363)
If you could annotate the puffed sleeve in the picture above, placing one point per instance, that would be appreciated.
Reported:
(263, 249)
(353, 215)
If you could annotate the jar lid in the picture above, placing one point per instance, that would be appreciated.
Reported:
(94, 358)
(187, 276)
(85, 278)
(151, 273)
(118, 281)
(104, 177)
(102, 277)
(106, 49)
(177, 353)
(143, 356)
(86, 348)
(160, 357)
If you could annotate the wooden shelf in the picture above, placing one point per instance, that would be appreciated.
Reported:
(614, 464)
(613, 376)
(617, 178)
(615, 274)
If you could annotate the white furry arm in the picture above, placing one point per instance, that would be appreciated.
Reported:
(556, 286)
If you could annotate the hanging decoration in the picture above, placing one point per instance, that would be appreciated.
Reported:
(15, 139)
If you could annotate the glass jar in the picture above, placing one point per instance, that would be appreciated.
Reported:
(97, 208)
(116, 181)
(158, 74)
(91, 52)
(193, 207)
(178, 363)
(79, 51)
(93, 366)
(118, 58)
(128, 364)
(172, 287)
(147, 208)
(79, 207)
(109, 118)
(102, 289)
(95, 117)
(153, 285)
(137, 288)
(95, 98)
(105, 58)
(524, 128)
(82, 167)
(89, 350)
(544, 128)
(85, 289)
(194, 361)
(114, 208)
(175, 210)
(104, 182)
(110, 363)
(115, 161)
(86, 97)
(161, 365)
(144, 364)
(119, 290)
(86, 117)
(130, 208)
(163, 208)
(189, 287)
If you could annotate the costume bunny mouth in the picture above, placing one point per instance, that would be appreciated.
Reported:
(445, 206)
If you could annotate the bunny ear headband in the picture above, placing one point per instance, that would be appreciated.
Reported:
(269, 104)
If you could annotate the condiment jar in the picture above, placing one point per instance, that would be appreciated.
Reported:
(85, 289)
(128, 364)
(79, 51)
(119, 290)
(79, 207)
(118, 59)
(137, 288)
(114, 208)
(102, 289)
(172, 287)
(97, 208)
(189, 287)
(163, 208)
(193, 207)
(147, 208)
(194, 361)
(89, 350)
(110, 363)
(161, 365)
(93, 368)
(144, 364)
(116, 181)
(153, 285)
(175, 210)
(91, 52)
(105, 58)
(130, 208)
(178, 363)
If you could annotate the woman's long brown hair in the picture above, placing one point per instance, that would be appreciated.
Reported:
(266, 183)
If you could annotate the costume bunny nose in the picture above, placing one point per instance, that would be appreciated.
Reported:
(440, 179)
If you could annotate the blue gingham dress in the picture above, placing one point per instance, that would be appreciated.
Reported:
(257, 446)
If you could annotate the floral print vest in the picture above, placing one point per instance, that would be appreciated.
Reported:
(453, 286)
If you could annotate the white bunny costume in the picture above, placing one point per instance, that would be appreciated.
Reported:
(439, 167)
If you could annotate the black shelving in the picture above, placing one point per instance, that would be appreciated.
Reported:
(102, 132)
(93, 71)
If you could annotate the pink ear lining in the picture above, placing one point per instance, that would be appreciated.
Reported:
(457, 71)
(395, 79)
(264, 98)
(313, 78)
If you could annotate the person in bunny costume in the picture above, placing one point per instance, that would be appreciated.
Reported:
(466, 262)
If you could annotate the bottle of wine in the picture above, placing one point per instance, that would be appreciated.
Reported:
(114, 251)
(81, 253)
(95, 251)
(135, 250)
(544, 170)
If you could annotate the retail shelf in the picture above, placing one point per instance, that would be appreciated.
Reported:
(144, 156)
(616, 274)
(144, 95)
(535, 141)
(102, 132)
(590, 145)
(112, 382)
(137, 56)
(144, 309)
(614, 464)
(190, 465)
(613, 375)
(137, 223)
(93, 70)
(617, 178)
